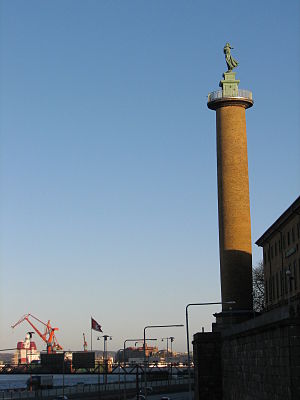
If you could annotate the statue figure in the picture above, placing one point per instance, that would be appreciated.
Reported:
(230, 61)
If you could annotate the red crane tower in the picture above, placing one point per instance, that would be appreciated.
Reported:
(85, 345)
(48, 336)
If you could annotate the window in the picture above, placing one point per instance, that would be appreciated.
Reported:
(272, 252)
(281, 284)
(295, 275)
(290, 279)
(298, 230)
(279, 245)
(275, 249)
(277, 285)
(283, 241)
(285, 283)
(288, 238)
(270, 289)
(293, 235)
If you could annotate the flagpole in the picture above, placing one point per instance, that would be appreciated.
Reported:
(91, 336)
(96, 327)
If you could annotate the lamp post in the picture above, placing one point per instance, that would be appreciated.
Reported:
(187, 335)
(172, 340)
(63, 373)
(124, 349)
(105, 337)
(131, 340)
(145, 366)
(167, 339)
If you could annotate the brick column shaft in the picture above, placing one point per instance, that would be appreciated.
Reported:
(234, 205)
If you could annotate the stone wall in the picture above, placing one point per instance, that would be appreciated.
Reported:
(259, 366)
(259, 359)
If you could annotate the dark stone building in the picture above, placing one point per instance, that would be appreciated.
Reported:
(281, 258)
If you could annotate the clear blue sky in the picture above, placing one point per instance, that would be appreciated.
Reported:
(108, 156)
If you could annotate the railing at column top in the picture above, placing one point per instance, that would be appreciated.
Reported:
(218, 94)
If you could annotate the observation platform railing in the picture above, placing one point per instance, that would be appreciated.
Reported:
(218, 94)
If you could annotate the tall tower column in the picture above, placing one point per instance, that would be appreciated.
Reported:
(230, 104)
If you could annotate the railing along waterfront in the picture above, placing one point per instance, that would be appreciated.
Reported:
(122, 379)
(157, 386)
(218, 94)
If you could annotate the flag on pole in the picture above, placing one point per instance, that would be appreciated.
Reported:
(95, 325)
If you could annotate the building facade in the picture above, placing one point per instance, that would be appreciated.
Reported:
(281, 258)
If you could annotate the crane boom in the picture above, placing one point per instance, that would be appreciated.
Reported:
(48, 336)
(25, 318)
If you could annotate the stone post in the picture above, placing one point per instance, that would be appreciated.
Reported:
(208, 366)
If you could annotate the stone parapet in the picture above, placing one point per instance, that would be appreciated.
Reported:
(262, 362)
(258, 359)
(207, 362)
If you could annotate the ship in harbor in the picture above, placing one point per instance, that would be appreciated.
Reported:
(26, 351)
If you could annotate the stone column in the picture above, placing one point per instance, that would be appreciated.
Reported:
(233, 193)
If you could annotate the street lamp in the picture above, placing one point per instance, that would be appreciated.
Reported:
(124, 349)
(105, 337)
(187, 334)
(131, 340)
(167, 339)
(171, 338)
(145, 367)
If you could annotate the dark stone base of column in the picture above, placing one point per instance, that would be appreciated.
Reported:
(225, 319)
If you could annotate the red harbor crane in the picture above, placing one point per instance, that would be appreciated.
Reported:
(85, 345)
(49, 333)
